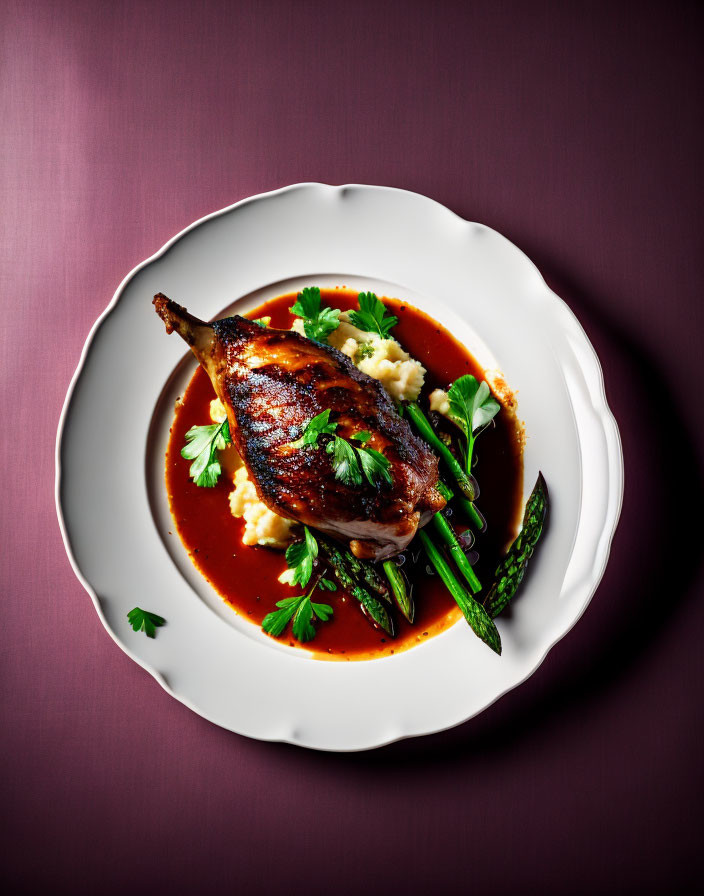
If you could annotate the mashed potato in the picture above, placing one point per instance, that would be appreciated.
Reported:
(217, 411)
(440, 402)
(261, 525)
(382, 359)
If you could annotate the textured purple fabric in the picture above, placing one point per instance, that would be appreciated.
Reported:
(573, 128)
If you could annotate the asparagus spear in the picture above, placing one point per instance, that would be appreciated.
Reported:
(445, 491)
(398, 588)
(371, 607)
(366, 572)
(512, 568)
(357, 569)
(448, 537)
(374, 609)
(479, 620)
(469, 508)
(422, 424)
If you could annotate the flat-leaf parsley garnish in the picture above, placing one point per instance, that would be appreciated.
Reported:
(318, 322)
(144, 621)
(300, 557)
(472, 408)
(365, 350)
(302, 609)
(344, 461)
(203, 444)
(319, 425)
(372, 316)
(374, 466)
(352, 464)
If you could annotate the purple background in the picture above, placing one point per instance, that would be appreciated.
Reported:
(573, 128)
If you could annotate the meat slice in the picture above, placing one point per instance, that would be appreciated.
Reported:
(272, 383)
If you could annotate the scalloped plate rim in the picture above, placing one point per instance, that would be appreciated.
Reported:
(600, 406)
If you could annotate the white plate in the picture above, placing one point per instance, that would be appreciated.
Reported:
(109, 483)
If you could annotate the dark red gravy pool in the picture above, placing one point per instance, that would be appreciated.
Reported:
(247, 577)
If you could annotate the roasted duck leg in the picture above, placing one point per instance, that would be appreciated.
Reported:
(272, 383)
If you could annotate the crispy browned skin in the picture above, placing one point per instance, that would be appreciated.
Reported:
(272, 383)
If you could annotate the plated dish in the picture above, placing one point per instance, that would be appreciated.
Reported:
(313, 427)
(118, 527)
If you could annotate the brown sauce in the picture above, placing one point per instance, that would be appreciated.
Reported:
(247, 577)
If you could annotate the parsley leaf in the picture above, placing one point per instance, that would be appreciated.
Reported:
(320, 328)
(351, 463)
(299, 557)
(365, 350)
(375, 466)
(472, 408)
(307, 302)
(471, 403)
(275, 622)
(319, 425)
(318, 322)
(143, 621)
(372, 317)
(203, 443)
(303, 628)
(326, 585)
(301, 609)
(322, 611)
(344, 462)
